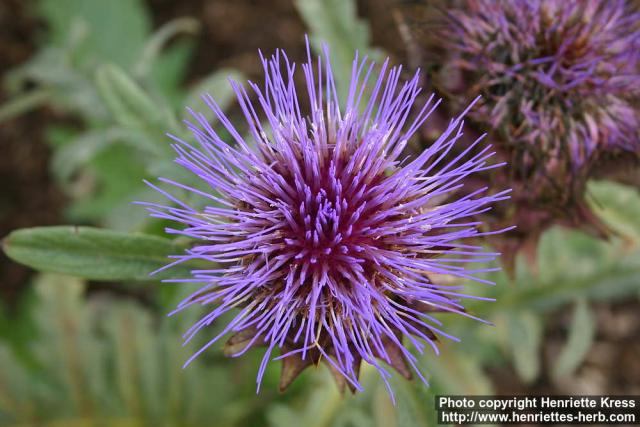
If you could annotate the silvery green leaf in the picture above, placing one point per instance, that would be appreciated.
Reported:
(525, 337)
(336, 23)
(582, 332)
(130, 105)
(93, 253)
(158, 40)
(618, 205)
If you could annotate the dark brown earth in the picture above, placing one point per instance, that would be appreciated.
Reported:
(28, 197)
(233, 32)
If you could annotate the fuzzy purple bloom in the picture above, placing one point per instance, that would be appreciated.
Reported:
(322, 237)
(559, 78)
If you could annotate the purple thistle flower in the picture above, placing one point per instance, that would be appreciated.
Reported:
(560, 87)
(318, 233)
(559, 78)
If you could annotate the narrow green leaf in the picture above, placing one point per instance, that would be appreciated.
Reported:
(129, 329)
(611, 283)
(93, 253)
(618, 206)
(336, 23)
(127, 101)
(66, 342)
(159, 40)
(525, 334)
(24, 103)
(581, 336)
(171, 67)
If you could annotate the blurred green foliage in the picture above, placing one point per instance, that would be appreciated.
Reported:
(335, 23)
(119, 92)
(105, 361)
(69, 356)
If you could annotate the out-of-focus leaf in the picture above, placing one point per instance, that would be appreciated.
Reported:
(114, 361)
(23, 103)
(411, 406)
(93, 253)
(609, 284)
(561, 247)
(383, 410)
(135, 379)
(336, 23)
(17, 327)
(217, 85)
(113, 181)
(525, 335)
(618, 205)
(159, 39)
(86, 69)
(67, 349)
(282, 416)
(319, 410)
(116, 30)
(575, 265)
(70, 157)
(171, 67)
(581, 335)
(70, 89)
(129, 104)
(356, 417)
(450, 371)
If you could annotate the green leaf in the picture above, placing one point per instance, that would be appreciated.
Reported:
(115, 30)
(598, 271)
(127, 101)
(93, 253)
(104, 358)
(73, 155)
(451, 369)
(115, 179)
(611, 283)
(336, 23)
(159, 40)
(411, 407)
(23, 103)
(50, 69)
(581, 336)
(320, 407)
(171, 67)
(618, 205)
(525, 335)
(66, 344)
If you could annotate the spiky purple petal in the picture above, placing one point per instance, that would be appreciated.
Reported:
(318, 232)
(560, 79)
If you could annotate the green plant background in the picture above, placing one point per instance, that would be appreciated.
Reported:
(73, 356)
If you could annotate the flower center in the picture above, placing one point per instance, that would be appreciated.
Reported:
(324, 228)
